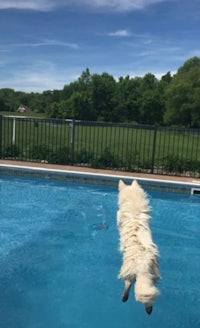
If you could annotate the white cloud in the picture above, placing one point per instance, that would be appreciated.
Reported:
(57, 43)
(45, 43)
(39, 77)
(157, 74)
(116, 5)
(112, 5)
(120, 33)
(39, 5)
(123, 5)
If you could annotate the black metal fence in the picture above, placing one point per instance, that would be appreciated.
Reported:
(125, 147)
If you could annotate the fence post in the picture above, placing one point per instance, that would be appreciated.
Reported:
(14, 131)
(73, 124)
(1, 134)
(154, 150)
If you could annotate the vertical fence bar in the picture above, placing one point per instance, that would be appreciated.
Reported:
(154, 149)
(73, 124)
(23, 138)
(14, 131)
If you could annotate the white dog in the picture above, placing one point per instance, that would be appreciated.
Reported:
(140, 254)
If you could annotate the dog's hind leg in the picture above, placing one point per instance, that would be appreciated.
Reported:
(127, 288)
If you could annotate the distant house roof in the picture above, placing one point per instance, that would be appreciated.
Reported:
(23, 109)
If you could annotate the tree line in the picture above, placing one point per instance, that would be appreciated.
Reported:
(171, 100)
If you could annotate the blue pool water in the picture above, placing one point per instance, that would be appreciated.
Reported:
(59, 258)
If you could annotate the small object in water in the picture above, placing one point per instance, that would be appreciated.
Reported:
(149, 309)
(103, 227)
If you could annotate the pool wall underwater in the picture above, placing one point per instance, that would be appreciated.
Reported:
(99, 178)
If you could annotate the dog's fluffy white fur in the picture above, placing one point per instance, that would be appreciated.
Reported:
(140, 255)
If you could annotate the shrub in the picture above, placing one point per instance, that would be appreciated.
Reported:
(39, 152)
(61, 156)
(106, 160)
(84, 156)
(12, 151)
(174, 163)
(131, 162)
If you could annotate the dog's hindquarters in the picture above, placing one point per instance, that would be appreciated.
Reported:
(146, 292)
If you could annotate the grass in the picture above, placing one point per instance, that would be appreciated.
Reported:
(31, 114)
(115, 146)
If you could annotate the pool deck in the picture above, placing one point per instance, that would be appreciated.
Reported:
(66, 168)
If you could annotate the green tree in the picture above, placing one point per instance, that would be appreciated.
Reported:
(151, 106)
(2, 104)
(85, 80)
(102, 95)
(126, 99)
(149, 82)
(166, 79)
(80, 107)
(189, 65)
(55, 111)
(182, 96)
(9, 99)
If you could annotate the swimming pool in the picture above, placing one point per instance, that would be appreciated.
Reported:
(59, 257)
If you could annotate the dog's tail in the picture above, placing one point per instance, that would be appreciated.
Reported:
(146, 292)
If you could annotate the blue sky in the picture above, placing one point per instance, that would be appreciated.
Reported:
(46, 44)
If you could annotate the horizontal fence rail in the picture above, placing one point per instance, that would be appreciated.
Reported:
(125, 147)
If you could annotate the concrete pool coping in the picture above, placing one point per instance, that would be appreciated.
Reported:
(85, 174)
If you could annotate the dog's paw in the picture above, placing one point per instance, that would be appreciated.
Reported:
(124, 298)
(149, 309)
